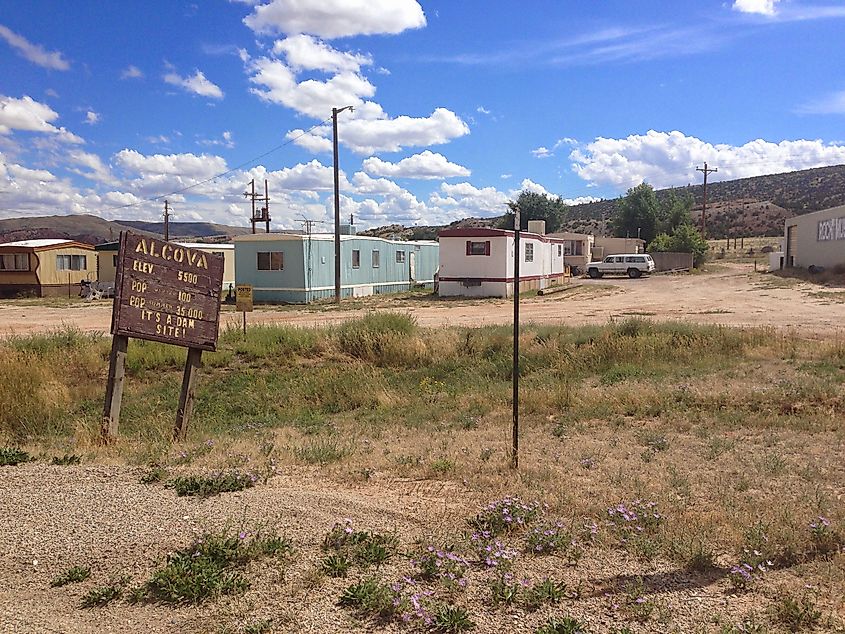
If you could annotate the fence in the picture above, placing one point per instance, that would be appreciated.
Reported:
(671, 261)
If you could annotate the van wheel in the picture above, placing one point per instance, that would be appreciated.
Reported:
(594, 273)
(633, 273)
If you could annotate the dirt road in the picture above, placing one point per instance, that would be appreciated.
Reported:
(732, 295)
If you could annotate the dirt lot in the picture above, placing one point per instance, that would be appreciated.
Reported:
(730, 294)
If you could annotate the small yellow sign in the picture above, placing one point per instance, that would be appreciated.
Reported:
(243, 298)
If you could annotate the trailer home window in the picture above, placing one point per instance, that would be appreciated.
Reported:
(529, 251)
(400, 257)
(478, 248)
(71, 262)
(271, 260)
(376, 259)
(14, 262)
(356, 259)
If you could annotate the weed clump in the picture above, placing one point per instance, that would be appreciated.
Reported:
(214, 484)
(210, 567)
(13, 456)
(76, 574)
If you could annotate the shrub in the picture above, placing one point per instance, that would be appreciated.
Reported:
(363, 547)
(103, 595)
(503, 515)
(210, 567)
(67, 459)
(546, 591)
(450, 619)
(797, 613)
(442, 565)
(214, 484)
(76, 574)
(12, 456)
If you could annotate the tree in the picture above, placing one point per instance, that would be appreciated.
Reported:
(674, 211)
(637, 214)
(534, 206)
(684, 239)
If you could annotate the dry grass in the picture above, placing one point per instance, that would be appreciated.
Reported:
(728, 431)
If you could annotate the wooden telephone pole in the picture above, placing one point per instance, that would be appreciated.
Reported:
(166, 221)
(706, 171)
(263, 214)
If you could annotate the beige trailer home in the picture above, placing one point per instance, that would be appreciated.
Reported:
(45, 268)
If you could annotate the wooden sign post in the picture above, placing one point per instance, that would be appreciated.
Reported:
(167, 293)
(243, 300)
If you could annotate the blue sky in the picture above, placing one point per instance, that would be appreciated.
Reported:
(109, 107)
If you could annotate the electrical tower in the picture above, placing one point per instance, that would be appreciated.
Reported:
(262, 214)
(706, 171)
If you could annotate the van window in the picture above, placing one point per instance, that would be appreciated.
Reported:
(609, 258)
(619, 258)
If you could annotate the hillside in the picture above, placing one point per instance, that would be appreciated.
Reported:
(95, 230)
(748, 206)
(745, 207)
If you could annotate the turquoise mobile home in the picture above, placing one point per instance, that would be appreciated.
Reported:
(299, 268)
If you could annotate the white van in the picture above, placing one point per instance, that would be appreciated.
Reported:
(631, 264)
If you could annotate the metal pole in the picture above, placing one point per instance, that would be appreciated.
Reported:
(336, 210)
(335, 112)
(516, 258)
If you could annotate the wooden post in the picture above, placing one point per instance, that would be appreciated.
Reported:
(186, 396)
(114, 387)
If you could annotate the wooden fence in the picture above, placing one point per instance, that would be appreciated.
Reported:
(671, 261)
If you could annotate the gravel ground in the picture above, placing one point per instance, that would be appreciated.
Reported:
(55, 517)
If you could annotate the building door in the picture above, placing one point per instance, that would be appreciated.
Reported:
(412, 267)
(791, 239)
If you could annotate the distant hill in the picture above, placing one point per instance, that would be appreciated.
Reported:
(96, 230)
(190, 229)
(745, 207)
(754, 206)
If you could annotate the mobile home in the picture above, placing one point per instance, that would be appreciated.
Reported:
(45, 268)
(299, 268)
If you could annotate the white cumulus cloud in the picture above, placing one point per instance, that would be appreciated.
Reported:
(32, 116)
(277, 83)
(427, 165)
(368, 136)
(197, 84)
(336, 18)
(92, 117)
(763, 7)
(304, 52)
(666, 159)
(33, 52)
(542, 152)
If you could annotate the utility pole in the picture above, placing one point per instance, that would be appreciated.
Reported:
(166, 222)
(706, 171)
(263, 214)
(335, 112)
(266, 207)
(251, 195)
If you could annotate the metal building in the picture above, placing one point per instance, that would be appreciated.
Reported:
(815, 239)
(299, 268)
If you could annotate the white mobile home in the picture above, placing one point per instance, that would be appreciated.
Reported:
(478, 262)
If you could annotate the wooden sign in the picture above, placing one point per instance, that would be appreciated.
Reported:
(168, 293)
(243, 298)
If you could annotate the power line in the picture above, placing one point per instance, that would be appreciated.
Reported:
(221, 174)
